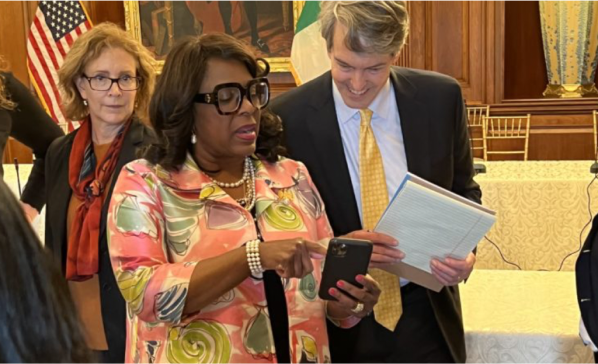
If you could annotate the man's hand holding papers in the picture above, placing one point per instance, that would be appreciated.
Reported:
(452, 271)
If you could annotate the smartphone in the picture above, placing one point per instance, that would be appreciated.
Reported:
(345, 259)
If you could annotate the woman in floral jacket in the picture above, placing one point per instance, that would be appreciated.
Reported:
(213, 236)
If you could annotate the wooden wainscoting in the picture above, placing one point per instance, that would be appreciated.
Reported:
(560, 129)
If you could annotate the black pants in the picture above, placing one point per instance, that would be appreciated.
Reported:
(419, 339)
(416, 339)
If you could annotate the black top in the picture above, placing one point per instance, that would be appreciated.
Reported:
(28, 123)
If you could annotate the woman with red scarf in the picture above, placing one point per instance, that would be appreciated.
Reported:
(106, 82)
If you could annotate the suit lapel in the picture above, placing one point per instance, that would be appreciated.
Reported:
(415, 124)
(61, 194)
(324, 131)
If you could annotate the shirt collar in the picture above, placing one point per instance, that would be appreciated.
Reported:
(380, 105)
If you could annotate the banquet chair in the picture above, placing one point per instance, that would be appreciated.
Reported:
(595, 115)
(506, 128)
(475, 125)
(594, 167)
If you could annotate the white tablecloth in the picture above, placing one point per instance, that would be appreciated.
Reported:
(541, 208)
(522, 317)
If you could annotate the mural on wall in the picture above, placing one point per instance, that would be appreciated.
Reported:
(267, 26)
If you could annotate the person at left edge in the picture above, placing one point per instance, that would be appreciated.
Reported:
(36, 324)
(106, 81)
(23, 118)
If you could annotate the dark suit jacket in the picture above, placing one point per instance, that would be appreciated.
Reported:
(58, 197)
(586, 271)
(434, 125)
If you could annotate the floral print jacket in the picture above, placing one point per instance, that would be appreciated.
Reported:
(162, 224)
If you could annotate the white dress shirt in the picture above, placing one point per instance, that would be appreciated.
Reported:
(386, 125)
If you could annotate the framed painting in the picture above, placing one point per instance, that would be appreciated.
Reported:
(267, 26)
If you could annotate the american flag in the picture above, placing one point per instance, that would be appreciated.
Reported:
(57, 24)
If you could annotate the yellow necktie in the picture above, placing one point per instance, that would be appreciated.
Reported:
(374, 199)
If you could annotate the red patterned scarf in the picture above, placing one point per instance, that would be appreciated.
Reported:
(88, 184)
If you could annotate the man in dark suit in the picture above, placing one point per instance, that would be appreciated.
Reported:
(419, 123)
(586, 268)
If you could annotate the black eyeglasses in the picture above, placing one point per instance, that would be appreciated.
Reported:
(228, 97)
(103, 83)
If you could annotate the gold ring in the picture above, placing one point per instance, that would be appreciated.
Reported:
(358, 308)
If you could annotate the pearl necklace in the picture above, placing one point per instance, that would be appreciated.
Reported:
(249, 190)
(248, 202)
(245, 177)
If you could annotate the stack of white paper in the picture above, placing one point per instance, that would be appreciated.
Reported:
(430, 222)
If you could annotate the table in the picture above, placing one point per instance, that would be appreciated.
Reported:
(10, 177)
(523, 317)
(542, 207)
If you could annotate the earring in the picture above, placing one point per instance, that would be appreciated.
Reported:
(85, 102)
(193, 139)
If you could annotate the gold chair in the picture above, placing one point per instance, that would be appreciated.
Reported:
(475, 124)
(595, 114)
(594, 167)
(506, 128)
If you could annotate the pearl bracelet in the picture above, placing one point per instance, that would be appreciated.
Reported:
(253, 257)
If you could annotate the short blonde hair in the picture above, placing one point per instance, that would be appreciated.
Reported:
(87, 48)
(372, 26)
(5, 102)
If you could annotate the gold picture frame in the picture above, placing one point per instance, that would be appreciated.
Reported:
(163, 15)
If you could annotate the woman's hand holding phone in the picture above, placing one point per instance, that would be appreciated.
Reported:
(346, 303)
(345, 283)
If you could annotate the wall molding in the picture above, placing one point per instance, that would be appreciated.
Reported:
(579, 106)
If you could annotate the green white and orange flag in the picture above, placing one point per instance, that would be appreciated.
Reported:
(309, 57)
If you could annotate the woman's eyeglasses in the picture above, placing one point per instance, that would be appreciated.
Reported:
(102, 83)
(228, 97)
